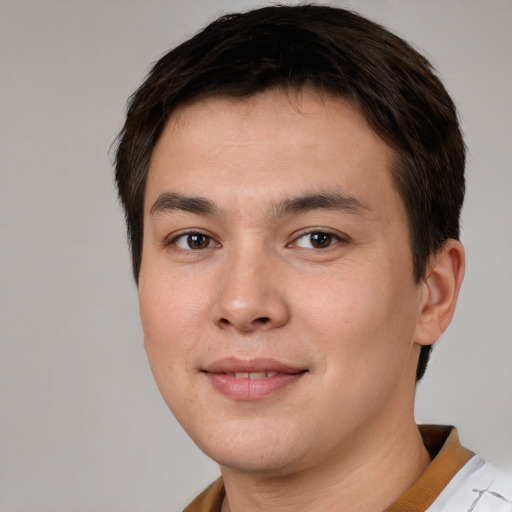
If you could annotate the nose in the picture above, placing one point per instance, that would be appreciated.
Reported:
(251, 294)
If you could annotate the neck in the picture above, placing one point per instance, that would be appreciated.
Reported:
(370, 476)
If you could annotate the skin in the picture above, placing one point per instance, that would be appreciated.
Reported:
(347, 311)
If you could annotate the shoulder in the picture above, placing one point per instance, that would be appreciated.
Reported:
(210, 500)
(477, 487)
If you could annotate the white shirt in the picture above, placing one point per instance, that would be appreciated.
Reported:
(477, 487)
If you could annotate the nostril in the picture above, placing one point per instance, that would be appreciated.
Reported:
(245, 324)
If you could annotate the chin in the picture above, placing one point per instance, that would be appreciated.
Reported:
(258, 462)
(252, 450)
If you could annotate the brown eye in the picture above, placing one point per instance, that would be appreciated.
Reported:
(317, 240)
(194, 241)
(198, 241)
(320, 240)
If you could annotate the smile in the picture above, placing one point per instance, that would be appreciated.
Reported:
(251, 380)
(252, 375)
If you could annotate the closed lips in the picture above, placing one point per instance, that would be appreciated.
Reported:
(252, 369)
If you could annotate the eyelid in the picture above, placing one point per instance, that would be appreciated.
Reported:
(342, 237)
(171, 239)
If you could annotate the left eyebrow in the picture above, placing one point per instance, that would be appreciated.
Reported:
(172, 201)
(321, 201)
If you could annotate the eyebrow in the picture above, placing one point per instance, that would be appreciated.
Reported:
(172, 201)
(169, 201)
(321, 201)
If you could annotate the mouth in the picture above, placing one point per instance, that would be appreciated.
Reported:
(252, 379)
(251, 375)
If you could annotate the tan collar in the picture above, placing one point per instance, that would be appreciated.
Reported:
(210, 500)
(444, 447)
(448, 457)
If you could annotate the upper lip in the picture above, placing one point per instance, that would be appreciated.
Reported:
(235, 365)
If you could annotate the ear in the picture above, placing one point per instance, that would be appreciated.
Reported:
(440, 291)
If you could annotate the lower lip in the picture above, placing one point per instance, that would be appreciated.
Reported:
(252, 389)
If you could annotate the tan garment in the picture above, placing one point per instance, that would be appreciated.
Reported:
(444, 447)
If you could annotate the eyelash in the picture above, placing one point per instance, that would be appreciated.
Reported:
(332, 238)
(174, 241)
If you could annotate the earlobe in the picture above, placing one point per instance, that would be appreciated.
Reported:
(440, 292)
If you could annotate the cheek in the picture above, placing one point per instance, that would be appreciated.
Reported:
(168, 316)
(339, 302)
(169, 302)
(170, 313)
(359, 316)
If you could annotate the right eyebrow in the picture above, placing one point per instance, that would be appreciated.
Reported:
(173, 201)
(322, 201)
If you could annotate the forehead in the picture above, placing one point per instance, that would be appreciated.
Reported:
(267, 146)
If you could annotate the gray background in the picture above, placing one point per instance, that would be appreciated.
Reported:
(82, 426)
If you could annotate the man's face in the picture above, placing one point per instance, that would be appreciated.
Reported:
(276, 290)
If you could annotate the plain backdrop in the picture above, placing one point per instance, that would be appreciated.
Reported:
(82, 425)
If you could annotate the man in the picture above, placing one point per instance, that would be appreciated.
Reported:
(292, 179)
